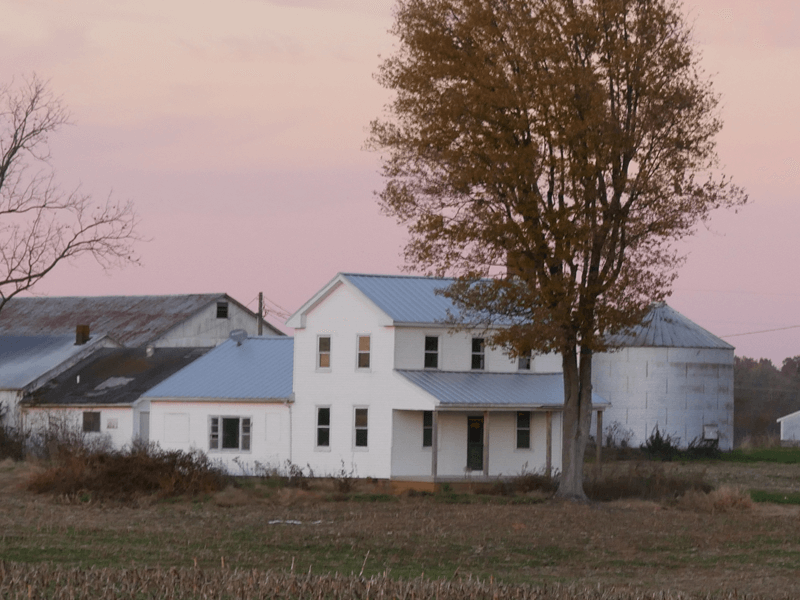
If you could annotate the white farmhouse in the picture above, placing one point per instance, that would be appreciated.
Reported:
(386, 389)
(671, 374)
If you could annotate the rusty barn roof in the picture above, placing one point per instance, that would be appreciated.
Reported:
(131, 320)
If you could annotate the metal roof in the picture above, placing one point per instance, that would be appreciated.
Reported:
(406, 299)
(23, 359)
(665, 327)
(454, 389)
(259, 368)
(132, 320)
(113, 376)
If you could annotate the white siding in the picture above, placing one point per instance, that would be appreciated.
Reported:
(179, 425)
(677, 389)
(790, 427)
(116, 423)
(205, 329)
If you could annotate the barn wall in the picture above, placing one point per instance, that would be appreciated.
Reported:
(204, 329)
(680, 390)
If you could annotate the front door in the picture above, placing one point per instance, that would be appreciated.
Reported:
(475, 443)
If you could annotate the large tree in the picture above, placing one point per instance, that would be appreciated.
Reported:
(41, 224)
(548, 153)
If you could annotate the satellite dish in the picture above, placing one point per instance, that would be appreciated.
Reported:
(239, 335)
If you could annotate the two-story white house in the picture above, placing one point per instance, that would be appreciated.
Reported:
(385, 387)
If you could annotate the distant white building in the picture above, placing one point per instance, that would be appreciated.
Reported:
(671, 374)
(790, 427)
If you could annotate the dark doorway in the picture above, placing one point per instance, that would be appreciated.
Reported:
(475, 443)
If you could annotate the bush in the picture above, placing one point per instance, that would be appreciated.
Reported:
(12, 443)
(645, 481)
(661, 447)
(126, 474)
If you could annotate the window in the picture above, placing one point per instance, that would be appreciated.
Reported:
(222, 310)
(525, 362)
(478, 357)
(361, 422)
(323, 427)
(91, 422)
(324, 352)
(427, 428)
(229, 433)
(431, 352)
(363, 352)
(523, 430)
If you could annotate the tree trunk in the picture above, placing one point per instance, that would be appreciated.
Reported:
(577, 421)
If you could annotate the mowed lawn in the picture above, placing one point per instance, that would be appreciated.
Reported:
(644, 545)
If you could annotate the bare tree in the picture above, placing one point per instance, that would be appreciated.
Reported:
(41, 225)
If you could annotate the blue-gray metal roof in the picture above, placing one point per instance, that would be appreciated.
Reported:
(24, 359)
(406, 299)
(466, 388)
(665, 327)
(259, 368)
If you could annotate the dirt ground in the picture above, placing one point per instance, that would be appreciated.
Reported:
(628, 544)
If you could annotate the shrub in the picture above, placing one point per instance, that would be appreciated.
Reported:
(126, 474)
(645, 481)
(661, 447)
(12, 443)
(344, 481)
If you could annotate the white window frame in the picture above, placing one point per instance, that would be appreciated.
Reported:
(317, 428)
(215, 433)
(426, 352)
(367, 352)
(320, 353)
(482, 354)
(357, 428)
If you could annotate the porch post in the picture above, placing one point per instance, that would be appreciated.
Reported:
(435, 445)
(486, 443)
(599, 440)
(549, 453)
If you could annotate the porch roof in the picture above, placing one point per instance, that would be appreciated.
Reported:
(508, 390)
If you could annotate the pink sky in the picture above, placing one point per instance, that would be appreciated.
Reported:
(237, 129)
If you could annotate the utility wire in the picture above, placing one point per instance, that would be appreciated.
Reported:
(762, 331)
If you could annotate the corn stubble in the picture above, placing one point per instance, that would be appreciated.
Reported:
(26, 581)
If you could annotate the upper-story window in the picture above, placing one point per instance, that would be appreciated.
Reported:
(363, 352)
(431, 352)
(525, 362)
(324, 352)
(478, 355)
(222, 310)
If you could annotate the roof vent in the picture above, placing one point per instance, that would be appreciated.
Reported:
(81, 335)
(239, 335)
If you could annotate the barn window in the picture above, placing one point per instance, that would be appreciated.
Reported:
(222, 310)
(427, 428)
(323, 427)
(363, 352)
(229, 433)
(324, 352)
(523, 430)
(361, 427)
(91, 422)
(431, 352)
(478, 356)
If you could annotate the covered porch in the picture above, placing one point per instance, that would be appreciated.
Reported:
(482, 427)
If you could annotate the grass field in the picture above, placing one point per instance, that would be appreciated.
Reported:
(688, 547)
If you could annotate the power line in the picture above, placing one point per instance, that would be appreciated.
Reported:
(762, 331)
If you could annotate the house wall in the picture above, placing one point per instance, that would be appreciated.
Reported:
(455, 352)
(184, 425)
(678, 389)
(205, 329)
(116, 422)
(9, 407)
(344, 315)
